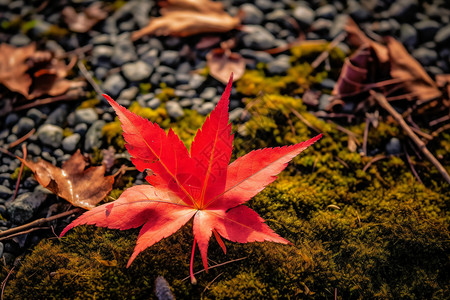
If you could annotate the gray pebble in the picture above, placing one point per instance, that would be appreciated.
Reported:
(24, 207)
(304, 15)
(264, 5)
(107, 117)
(48, 157)
(81, 129)
(58, 116)
(208, 93)
(23, 126)
(5, 192)
(86, 115)
(324, 101)
(328, 83)
(11, 138)
(129, 93)
(4, 133)
(169, 79)
(425, 56)
(101, 56)
(58, 153)
(170, 58)
(70, 143)
(151, 58)
(36, 115)
(174, 109)
(164, 70)
(137, 71)
(236, 113)
(252, 14)
(34, 149)
(154, 103)
(258, 38)
(101, 39)
(1, 249)
(403, 10)
(206, 108)
(358, 12)
(124, 51)
(19, 40)
(50, 135)
(196, 81)
(101, 73)
(185, 102)
(427, 29)
(327, 12)
(408, 35)
(394, 146)
(442, 37)
(182, 78)
(279, 66)
(93, 137)
(155, 79)
(11, 119)
(113, 85)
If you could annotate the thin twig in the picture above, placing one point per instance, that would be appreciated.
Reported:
(420, 144)
(439, 120)
(209, 284)
(304, 120)
(215, 266)
(439, 130)
(70, 96)
(375, 159)
(326, 53)
(365, 136)
(89, 78)
(408, 158)
(6, 279)
(38, 222)
(22, 139)
(21, 233)
(24, 150)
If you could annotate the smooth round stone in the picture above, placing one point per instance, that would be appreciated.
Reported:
(19, 40)
(36, 115)
(442, 37)
(124, 51)
(208, 93)
(58, 116)
(34, 149)
(394, 146)
(169, 79)
(129, 93)
(425, 56)
(408, 35)
(403, 10)
(427, 29)
(23, 126)
(137, 71)
(169, 58)
(328, 83)
(101, 56)
(185, 102)
(258, 38)
(114, 84)
(70, 143)
(358, 12)
(206, 108)
(279, 66)
(11, 119)
(93, 136)
(326, 12)
(86, 115)
(50, 135)
(154, 103)
(196, 81)
(24, 206)
(236, 113)
(151, 57)
(107, 117)
(174, 109)
(5, 192)
(304, 15)
(81, 129)
(324, 101)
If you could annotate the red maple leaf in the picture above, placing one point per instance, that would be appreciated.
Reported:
(199, 184)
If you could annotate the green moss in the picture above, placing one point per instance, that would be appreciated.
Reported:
(145, 87)
(89, 103)
(166, 93)
(25, 173)
(187, 126)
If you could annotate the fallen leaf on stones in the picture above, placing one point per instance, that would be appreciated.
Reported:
(188, 17)
(82, 188)
(222, 63)
(85, 20)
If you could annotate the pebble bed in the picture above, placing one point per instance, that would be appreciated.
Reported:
(120, 66)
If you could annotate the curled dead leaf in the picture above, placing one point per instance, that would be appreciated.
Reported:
(85, 20)
(188, 17)
(81, 187)
(222, 63)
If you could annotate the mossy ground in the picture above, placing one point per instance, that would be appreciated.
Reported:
(373, 233)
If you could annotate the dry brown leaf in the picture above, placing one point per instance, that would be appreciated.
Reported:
(188, 17)
(83, 188)
(222, 63)
(85, 20)
(13, 67)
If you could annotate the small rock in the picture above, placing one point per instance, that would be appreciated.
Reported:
(252, 15)
(23, 126)
(258, 38)
(304, 15)
(101, 39)
(425, 56)
(11, 138)
(358, 12)
(208, 93)
(408, 35)
(169, 79)
(328, 83)
(58, 116)
(403, 10)
(154, 103)
(81, 129)
(24, 207)
(174, 109)
(427, 29)
(185, 102)
(5, 192)
(50, 135)
(48, 157)
(86, 115)
(93, 137)
(36, 115)
(129, 93)
(114, 84)
(236, 113)
(322, 26)
(124, 51)
(137, 71)
(70, 143)
(442, 37)
(279, 66)
(264, 5)
(170, 58)
(394, 146)
(101, 56)
(11, 119)
(151, 58)
(34, 149)
(324, 101)
(107, 117)
(1, 249)
(19, 40)
(327, 12)
(206, 108)
(182, 78)
(196, 81)
(258, 56)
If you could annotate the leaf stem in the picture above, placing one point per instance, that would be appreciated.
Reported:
(191, 267)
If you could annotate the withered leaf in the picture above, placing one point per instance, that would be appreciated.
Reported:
(13, 67)
(82, 188)
(188, 17)
(85, 20)
(222, 63)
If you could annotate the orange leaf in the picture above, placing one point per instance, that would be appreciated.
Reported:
(222, 63)
(82, 188)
